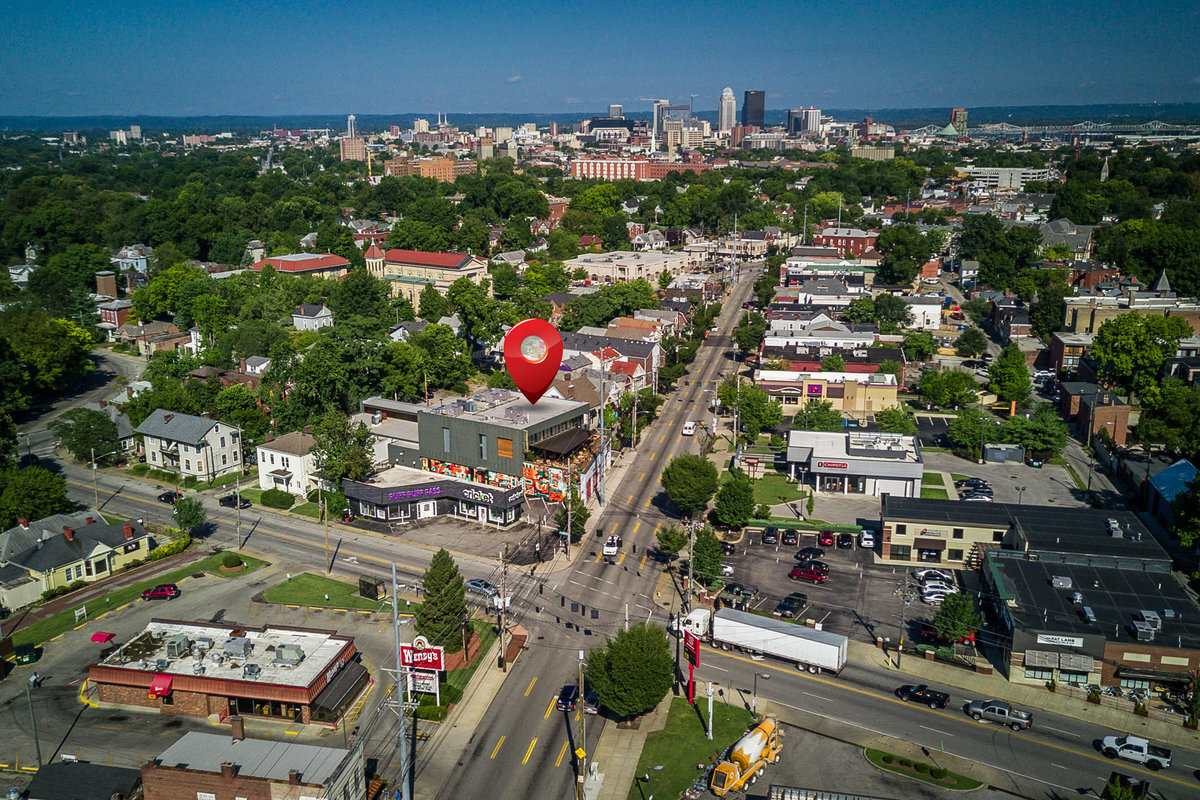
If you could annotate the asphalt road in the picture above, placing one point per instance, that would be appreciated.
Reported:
(524, 748)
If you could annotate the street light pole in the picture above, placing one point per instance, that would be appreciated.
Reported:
(33, 718)
(95, 488)
(1020, 493)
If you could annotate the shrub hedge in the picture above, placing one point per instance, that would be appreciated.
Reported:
(277, 498)
(170, 549)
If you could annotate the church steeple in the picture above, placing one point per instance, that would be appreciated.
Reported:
(1163, 286)
(1104, 170)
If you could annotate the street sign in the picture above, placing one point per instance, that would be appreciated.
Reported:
(580, 752)
(691, 646)
(422, 654)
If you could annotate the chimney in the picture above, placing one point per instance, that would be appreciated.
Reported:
(90, 521)
(69, 533)
(228, 770)
(293, 776)
(128, 530)
(23, 522)
(103, 404)
(308, 429)
(167, 418)
(242, 365)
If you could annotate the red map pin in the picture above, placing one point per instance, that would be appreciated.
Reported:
(533, 351)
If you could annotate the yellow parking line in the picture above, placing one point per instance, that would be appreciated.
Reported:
(561, 753)
(662, 438)
(648, 499)
(622, 558)
(598, 557)
(578, 713)
(614, 527)
(643, 475)
(652, 455)
(529, 751)
(531, 683)
(636, 525)
(497, 748)
(549, 708)
(630, 498)
(643, 561)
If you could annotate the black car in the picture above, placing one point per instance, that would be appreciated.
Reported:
(923, 694)
(728, 548)
(790, 538)
(989, 491)
(234, 500)
(809, 553)
(567, 698)
(770, 536)
(171, 496)
(790, 606)
(845, 541)
(965, 482)
(818, 566)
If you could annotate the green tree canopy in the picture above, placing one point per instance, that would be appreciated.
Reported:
(633, 671)
(708, 557)
(947, 388)
(690, 482)
(1173, 420)
(671, 540)
(957, 617)
(442, 615)
(818, 415)
(971, 342)
(896, 420)
(735, 500)
(575, 522)
(31, 493)
(84, 431)
(919, 346)
(1130, 350)
(833, 363)
(1009, 375)
(189, 514)
(342, 450)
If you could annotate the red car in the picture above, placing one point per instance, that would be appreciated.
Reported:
(804, 572)
(929, 634)
(825, 539)
(166, 591)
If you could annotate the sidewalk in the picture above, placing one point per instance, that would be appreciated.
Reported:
(619, 749)
(1107, 719)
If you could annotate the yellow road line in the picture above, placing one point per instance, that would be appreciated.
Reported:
(662, 438)
(648, 499)
(529, 751)
(643, 561)
(598, 557)
(952, 717)
(614, 527)
(640, 477)
(561, 753)
(531, 683)
(652, 455)
(636, 525)
(621, 560)
(549, 708)
(497, 748)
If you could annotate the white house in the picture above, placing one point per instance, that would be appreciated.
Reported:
(198, 446)
(311, 317)
(256, 365)
(926, 311)
(288, 464)
(650, 240)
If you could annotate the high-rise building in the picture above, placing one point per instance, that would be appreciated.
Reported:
(420, 125)
(351, 127)
(726, 111)
(958, 118)
(754, 108)
(795, 120)
(135, 131)
(616, 111)
(812, 120)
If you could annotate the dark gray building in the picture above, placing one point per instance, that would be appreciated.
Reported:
(754, 108)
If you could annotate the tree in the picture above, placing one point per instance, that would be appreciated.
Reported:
(818, 415)
(708, 556)
(31, 493)
(442, 616)
(891, 367)
(833, 363)
(948, 388)
(361, 294)
(664, 279)
(84, 431)
(189, 514)
(956, 617)
(632, 673)
(1010, 375)
(861, 309)
(904, 250)
(735, 500)
(432, 306)
(765, 286)
(445, 362)
(896, 420)
(1058, 252)
(577, 519)
(52, 352)
(971, 429)
(238, 405)
(342, 451)
(1130, 350)
(748, 334)
(971, 342)
(690, 482)
(892, 312)
(671, 540)
(1174, 420)
(919, 346)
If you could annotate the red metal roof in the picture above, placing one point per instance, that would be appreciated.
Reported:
(373, 252)
(302, 262)
(421, 258)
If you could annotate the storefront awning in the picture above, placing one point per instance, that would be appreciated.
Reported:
(161, 687)
(343, 685)
(281, 473)
(1156, 675)
(931, 544)
(562, 443)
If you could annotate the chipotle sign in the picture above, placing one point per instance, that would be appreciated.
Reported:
(833, 464)
(422, 654)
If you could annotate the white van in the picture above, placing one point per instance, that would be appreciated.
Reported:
(689, 428)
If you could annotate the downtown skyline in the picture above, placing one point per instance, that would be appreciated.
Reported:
(280, 58)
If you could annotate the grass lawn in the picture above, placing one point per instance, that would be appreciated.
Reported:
(681, 745)
(945, 450)
(1079, 484)
(50, 627)
(773, 489)
(253, 495)
(308, 509)
(932, 479)
(307, 589)
(957, 476)
(804, 525)
(934, 493)
(231, 479)
(952, 781)
(487, 634)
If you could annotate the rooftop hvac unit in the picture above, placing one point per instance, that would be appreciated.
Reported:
(1152, 619)
(161, 664)
(178, 645)
(289, 655)
(238, 647)
(1114, 528)
(467, 405)
(204, 642)
(197, 668)
(1088, 614)
(1060, 582)
(251, 671)
(1077, 598)
(376, 418)
(1142, 632)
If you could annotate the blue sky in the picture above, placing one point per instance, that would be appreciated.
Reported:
(184, 57)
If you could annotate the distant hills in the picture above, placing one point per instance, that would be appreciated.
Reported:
(900, 118)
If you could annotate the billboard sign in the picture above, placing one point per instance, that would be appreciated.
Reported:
(423, 655)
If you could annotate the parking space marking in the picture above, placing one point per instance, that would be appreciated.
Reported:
(529, 751)
(652, 455)
(531, 683)
(662, 438)
(643, 475)
(644, 557)
(621, 560)
(496, 749)
(636, 525)
(819, 697)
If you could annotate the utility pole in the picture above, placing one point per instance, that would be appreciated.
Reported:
(903, 608)
(325, 517)
(406, 777)
(37, 743)
(687, 595)
(571, 502)
(237, 493)
(503, 602)
(580, 764)
(804, 232)
(96, 499)
(633, 439)
(603, 442)
(709, 732)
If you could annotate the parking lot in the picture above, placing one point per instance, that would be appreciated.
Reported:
(1050, 485)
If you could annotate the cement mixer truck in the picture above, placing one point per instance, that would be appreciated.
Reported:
(747, 758)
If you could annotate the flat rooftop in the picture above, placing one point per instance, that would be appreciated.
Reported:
(890, 447)
(1114, 595)
(406, 476)
(255, 758)
(148, 651)
(503, 407)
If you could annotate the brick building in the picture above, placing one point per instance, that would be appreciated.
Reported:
(613, 168)
(197, 669)
(847, 240)
(444, 170)
(1088, 403)
(410, 271)
(322, 265)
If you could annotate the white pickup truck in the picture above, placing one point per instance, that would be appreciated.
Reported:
(1137, 750)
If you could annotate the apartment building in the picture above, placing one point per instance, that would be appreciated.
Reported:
(193, 446)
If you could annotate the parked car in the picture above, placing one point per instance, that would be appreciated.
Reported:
(689, 428)
(924, 695)
(790, 606)
(728, 548)
(591, 703)
(819, 566)
(976, 498)
(170, 496)
(568, 698)
(866, 540)
(929, 633)
(790, 538)
(965, 482)
(164, 591)
(1036, 463)
(809, 553)
(933, 598)
(845, 541)
(1136, 749)
(234, 500)
(480, 586)
(999, 711)
(803, 572)
(931, 574)
(825, 538)
(770, 536)
(939, 586)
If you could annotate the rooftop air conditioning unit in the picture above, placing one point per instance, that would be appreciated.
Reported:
(1142, 631)
(376, 418)
(251, 671)
(289, 655)
(1060, 582)
(1152, 619)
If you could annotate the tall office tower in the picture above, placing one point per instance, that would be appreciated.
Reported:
(754, 108)
(958, 118)
(351, 127)
(795, 121)
(812, 120)
(135, 131)
(554, 129)
(420, 125)
(615, 111)
(726, 111)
